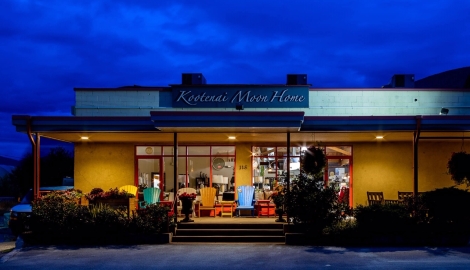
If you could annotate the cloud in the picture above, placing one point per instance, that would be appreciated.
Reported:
(49, 47)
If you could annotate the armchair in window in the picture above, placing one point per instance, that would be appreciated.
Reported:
(207, 199)
(151, 196)
(245, 199)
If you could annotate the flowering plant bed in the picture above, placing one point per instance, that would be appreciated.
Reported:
(188, 196)
(113, 193)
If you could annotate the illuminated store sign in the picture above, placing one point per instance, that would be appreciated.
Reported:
(250, 97)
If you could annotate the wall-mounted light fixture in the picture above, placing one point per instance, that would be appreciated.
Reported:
(444, 111)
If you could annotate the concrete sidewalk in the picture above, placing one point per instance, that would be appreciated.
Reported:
(7, 240)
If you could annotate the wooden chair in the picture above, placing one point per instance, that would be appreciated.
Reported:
(151, 196)
(403, 195)
(207, 199)
(245, 199)
(129, 189)
(375, 197)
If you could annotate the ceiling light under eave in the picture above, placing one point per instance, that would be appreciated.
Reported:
(231, 137)
(379, 137)
(84, 138)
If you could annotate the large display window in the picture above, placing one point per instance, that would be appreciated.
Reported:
(270, 168)
(198, 166)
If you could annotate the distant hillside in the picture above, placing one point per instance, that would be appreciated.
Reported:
(8, 161)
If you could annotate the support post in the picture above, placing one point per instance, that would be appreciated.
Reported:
(175, 175)
(416, 134)
(288, 170)
(36, 160)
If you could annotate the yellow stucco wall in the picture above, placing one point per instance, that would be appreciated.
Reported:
(381, 166)
(378, 166)
(103, 165)
(243, 165)
(432, 167)
(388, 167)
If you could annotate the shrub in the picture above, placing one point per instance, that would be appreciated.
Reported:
(308, 201)
(151, 219)
(447, 210)
(383, 219)
(57, 212)
(58, 216)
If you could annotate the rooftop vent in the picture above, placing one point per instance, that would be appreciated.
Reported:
(193, 79)
(401, 80)
(296, 79)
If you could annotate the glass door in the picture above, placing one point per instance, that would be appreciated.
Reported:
(150, 173)
(339, 171)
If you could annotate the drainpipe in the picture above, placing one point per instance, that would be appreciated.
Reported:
(175, 175)
(36, 159)
(416, 134)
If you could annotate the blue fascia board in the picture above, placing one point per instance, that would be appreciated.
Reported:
(227, 119)
(76, 124)
(358, 123)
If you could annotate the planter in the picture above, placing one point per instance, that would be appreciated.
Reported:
(187, 208)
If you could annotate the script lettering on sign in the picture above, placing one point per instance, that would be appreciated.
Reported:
(240, 96)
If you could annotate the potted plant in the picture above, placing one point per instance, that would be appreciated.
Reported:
(458, 167)
(187, 205)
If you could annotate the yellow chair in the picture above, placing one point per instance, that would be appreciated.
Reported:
(207, 199)
(129, 189)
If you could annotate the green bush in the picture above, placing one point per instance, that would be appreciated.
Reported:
(59, 216)
(383, 219)
(151, 219)
(447, 210)
(309, 203)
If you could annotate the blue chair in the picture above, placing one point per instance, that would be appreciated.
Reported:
(245, 199)
(151, 196)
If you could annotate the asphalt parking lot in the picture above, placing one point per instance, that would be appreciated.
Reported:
(233, 256)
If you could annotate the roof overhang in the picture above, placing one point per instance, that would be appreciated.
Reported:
(248, 127)
(227, 121)
(446, 123)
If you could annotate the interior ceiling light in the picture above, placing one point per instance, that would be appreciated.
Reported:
(379, 137)
(84, 138)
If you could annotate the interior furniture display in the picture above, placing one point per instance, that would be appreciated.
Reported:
(151, 196)
(375, 197)
(221, 181)
(245, 199)
(207, 200)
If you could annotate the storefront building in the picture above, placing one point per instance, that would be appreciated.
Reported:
(395, 138)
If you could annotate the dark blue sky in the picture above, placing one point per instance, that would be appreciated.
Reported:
(48, 47)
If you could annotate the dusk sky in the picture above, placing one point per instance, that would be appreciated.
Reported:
(48, 47)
